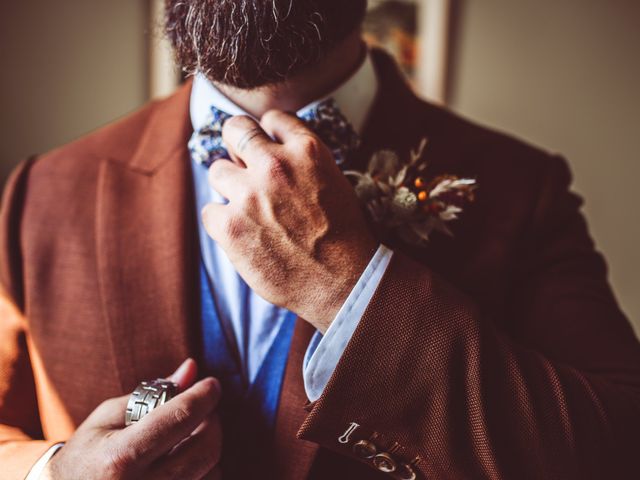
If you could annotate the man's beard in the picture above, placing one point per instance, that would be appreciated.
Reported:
(251, 43)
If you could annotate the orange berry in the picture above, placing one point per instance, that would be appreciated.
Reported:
(419, 182)
(422, 196)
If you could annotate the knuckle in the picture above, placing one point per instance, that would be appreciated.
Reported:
(238, 121)
(211, 388)
(182, 413)
(105, 408)
(271, 116)
(233, 227)
(249, 201)
(215, 170)
(109, 404)
(309, 146)
(278, 169)
(118, 460)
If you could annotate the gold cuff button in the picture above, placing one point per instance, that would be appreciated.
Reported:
(384, 462)
(364, 449)
(405, 472)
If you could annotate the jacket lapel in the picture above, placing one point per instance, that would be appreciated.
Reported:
(147, 248)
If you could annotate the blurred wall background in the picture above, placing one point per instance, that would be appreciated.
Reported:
(563, 75)
(67, 67)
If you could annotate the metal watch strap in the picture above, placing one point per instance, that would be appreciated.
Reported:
(147, 396)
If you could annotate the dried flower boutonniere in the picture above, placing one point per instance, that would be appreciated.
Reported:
(397, 196)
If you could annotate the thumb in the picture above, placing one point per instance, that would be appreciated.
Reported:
(185, 375)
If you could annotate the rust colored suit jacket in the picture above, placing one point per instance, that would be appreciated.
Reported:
(499, 353)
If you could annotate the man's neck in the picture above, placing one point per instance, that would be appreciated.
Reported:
(305, 87)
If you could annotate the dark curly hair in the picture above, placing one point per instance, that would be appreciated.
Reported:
(251, 43)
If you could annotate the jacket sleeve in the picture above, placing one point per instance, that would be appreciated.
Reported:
(19, 420)
(431, 385)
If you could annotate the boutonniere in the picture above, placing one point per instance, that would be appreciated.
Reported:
(399, 197)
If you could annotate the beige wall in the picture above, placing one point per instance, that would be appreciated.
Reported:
(67, 67)
(565, 75)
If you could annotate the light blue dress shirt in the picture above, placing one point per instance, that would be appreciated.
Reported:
(246, 317)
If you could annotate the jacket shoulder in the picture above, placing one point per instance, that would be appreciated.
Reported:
(456, 144)
(503, 163)
(117, 140)
(158, 124)
(68, 171)
(486, 144)
(518, 183)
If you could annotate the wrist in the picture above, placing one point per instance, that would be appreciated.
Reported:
(324, 302)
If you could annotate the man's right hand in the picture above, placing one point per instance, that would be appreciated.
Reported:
(180, 439)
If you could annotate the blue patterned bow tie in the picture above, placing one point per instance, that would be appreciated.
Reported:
(325, 119)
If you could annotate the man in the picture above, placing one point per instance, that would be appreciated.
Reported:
(217, 226)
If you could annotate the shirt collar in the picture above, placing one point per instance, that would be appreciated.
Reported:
(354, 97)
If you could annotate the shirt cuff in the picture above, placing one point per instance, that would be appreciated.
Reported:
(324, 352)
(36, 471)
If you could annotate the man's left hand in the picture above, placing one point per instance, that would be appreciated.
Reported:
(293, 227)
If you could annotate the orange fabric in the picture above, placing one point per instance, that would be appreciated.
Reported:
(498, 353)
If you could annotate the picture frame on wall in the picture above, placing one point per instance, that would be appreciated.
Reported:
(416, 33)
